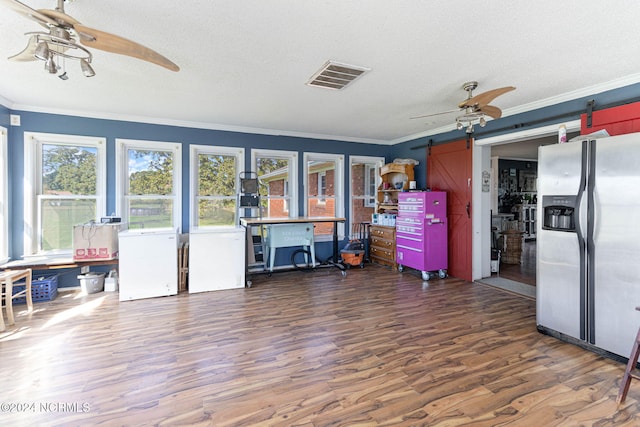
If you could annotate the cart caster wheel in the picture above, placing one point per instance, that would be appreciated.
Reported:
(269, 274)
(442, 274)
(361, 265)
(344, 273)
(400, 268)
(425, 276)
(249, 283)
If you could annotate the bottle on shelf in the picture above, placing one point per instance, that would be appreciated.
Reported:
(395, 179)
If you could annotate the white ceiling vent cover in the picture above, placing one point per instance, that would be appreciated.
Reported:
(335, 75)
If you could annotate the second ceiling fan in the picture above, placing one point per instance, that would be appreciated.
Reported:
(475, 108)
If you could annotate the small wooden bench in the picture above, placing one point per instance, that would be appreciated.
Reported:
(7, 279)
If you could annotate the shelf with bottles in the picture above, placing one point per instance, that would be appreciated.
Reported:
(395, 179)
(527, 220)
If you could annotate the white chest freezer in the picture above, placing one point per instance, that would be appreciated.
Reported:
(148, 263)
(216, 259)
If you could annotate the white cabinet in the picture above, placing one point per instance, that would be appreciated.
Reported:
(216, 259)
(148, 264)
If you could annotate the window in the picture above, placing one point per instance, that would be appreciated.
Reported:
(65, 185)
(286, 191)
(148, 182)
(324, 189)
(365, 178)
(277, 174)
(4, 198)
(322, 186)
(214, 185)
(371, 174)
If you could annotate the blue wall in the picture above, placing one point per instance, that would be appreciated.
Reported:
(112, 129)
(4, 116)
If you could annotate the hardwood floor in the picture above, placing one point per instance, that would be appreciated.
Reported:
(376, 347)
(525, 272)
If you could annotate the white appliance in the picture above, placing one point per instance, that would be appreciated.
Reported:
(216, 259)
(588, 242)
(148, 263)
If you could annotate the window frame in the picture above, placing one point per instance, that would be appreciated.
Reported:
(338, 185)
(322, 187)
(33, 142)
(4, 195)
(194, 167)
(369, 185)
(287, 189)
(122, 167)
(292, 202)
(366, 160)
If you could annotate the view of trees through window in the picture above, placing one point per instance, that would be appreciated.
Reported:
(68, 193)
(217, 189)
(150, 189)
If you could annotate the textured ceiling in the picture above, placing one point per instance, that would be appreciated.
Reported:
(244, 64)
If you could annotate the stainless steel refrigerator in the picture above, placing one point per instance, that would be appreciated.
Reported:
(588, 242)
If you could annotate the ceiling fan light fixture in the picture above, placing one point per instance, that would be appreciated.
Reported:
(459, 125)
(470, 128)
(87, 69)
(61, 41)
(50, 65)
(42, 51)
(483, 122)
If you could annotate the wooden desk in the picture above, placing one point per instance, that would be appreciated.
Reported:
(54, 263)
(253, 222)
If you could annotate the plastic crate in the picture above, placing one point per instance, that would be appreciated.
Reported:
(45, 288)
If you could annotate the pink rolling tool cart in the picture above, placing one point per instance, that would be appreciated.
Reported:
(421, 232)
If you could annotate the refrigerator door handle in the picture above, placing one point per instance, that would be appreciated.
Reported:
(581, 200)
(582, 230)
(591, 249)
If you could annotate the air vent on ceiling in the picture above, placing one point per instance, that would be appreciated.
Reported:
(334, 75)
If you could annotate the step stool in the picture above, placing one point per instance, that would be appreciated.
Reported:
(630, 371)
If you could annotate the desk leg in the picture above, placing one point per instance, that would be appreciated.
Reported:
(335, 242)
(335, 262)
(2, 326)
(28, 290)
(8, 301)
(249, 247)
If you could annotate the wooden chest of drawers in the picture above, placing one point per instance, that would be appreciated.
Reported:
(383, 245)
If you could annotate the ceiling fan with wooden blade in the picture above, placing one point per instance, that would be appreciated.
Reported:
(475, 107)
(61, 41)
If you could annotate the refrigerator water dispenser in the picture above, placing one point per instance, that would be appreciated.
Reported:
(559, 213)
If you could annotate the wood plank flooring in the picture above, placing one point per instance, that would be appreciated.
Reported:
(525, 272)
(374, 348)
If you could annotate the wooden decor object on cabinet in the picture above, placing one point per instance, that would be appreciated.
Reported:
(395, 179)
(382, 249)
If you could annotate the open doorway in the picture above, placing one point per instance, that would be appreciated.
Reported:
(513, 210)
(514, 207)
(520, 146)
